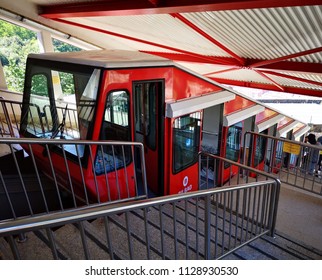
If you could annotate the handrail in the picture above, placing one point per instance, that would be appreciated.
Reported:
(294, 163)
(59, 164)
(208, 223)
(242, 166)
(7, 117)
(96, 211)
(250, 170)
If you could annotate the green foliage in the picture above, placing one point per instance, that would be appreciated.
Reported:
(67, 83)
(15, 45)
(39, 85)
(60, 46)
(8, 30)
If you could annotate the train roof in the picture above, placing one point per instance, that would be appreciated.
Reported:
(106, 58)
(124, 58)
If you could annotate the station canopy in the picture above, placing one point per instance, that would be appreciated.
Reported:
(265, 44)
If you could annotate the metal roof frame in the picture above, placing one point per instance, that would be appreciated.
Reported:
(288, 62)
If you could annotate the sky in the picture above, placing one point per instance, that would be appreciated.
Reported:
(305, 112)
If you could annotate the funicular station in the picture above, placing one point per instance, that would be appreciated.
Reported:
(154, 155)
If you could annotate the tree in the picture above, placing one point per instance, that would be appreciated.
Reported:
(60, 46)
(15, 45)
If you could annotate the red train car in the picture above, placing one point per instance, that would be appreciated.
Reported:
(122, 96)
(133, 97)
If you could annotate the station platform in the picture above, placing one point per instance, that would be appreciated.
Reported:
(299, 216)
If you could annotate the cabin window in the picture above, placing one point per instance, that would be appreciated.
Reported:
(233, 141)
(115, 127)
(58, 103)
(117, 110)
(186, 141)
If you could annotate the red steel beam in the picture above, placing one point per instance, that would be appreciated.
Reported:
(302, 91)
(270, 79)
(223, 71)
(282, 58)
(200, 59)
(139, 7)
(302, 80)
(293, 66)
(208, 37)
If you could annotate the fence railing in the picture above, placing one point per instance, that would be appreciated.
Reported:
(294, 163)
(207, 224)
(42, 176)
(40, 118)
(10, 112)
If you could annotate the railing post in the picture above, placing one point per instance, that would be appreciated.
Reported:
(7, 117)
(207, 226)
(275, 201)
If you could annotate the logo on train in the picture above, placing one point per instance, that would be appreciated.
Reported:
(185, 181)
(186, 188)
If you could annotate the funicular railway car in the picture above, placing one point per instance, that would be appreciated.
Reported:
(132, 96)
(239, 117)
(263, 148)
(120, 96)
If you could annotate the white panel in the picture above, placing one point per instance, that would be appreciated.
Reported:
(45, 41)
(270, 122)
(3, 83)
(287, 128)
(190, 105)
(242, 115)
(265, 33)
(300, 132)
(161, 29)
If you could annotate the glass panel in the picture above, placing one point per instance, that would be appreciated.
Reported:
(115, 127)
(59, 104)
(260, 148)
(146, 111)
(186, 141)
(39, 85)
(234, 141)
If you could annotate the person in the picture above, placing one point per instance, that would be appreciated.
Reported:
(320, 153)
(305, 153)
(314, 154)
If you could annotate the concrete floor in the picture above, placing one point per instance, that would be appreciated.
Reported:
(300, 216)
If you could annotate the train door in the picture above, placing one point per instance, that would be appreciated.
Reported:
(148, 129)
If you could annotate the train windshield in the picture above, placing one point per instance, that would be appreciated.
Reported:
(59, 100)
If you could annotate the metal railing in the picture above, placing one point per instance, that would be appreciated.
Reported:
(207, 224)
(40, 119)
(41, 176)
(217, 172)
(10, 112)
(294, 163)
